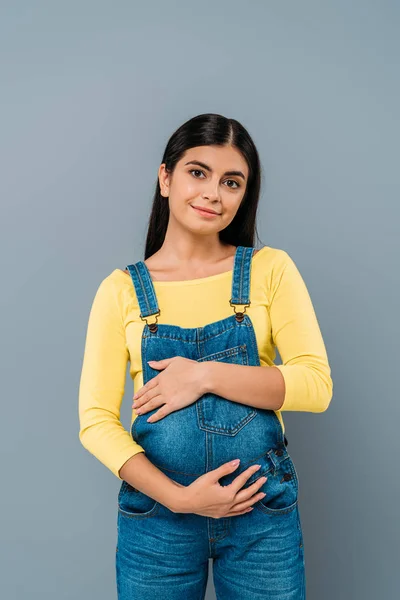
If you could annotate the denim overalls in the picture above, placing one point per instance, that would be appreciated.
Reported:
(164, 555)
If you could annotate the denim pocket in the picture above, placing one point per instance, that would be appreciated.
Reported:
(135, 504)
(281, 489)
(220, 415)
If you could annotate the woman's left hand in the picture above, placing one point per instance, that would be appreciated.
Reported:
(179, 384)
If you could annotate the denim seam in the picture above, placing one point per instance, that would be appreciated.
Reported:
(228, 352)
(142, 289)
(276, 511)
(212, 336)
(132, 515)
(212, 428)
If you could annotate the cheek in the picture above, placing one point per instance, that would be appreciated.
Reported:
(191, 189)
(231, 206)
(184, 191)
(180, 208)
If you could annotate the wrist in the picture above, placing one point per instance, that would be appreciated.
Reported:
(180, 502)
(206, 377)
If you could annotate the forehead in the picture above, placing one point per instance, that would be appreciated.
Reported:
(219, 158)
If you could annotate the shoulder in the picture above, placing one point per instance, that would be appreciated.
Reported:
(118, 285)
(273, 269)
(272, 260)
(119, 278)
(118, 272)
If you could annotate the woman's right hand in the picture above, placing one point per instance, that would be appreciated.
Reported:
(206, 497)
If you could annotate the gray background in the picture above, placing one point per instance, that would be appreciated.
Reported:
(90, 93)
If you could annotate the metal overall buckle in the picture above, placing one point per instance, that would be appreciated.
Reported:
(152, 326)
(239, 315)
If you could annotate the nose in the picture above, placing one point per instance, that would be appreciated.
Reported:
(211, 194)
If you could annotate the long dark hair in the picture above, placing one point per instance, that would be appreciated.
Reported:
(207, 130)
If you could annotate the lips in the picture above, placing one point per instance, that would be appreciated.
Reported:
(203, 209)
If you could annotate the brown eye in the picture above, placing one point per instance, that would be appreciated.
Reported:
(233, 181)
(196, 171)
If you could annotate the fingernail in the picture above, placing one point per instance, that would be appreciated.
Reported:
(235, 462)
(258, 467)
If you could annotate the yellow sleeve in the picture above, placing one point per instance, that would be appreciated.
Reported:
(102, 383)
(296, 334)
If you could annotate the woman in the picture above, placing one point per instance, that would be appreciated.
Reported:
(200, 320)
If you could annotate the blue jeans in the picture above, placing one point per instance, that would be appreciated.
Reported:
(162, 554)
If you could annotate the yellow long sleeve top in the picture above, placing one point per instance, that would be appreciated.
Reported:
(282, 314)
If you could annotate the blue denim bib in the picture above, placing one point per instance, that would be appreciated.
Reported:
(213, 430)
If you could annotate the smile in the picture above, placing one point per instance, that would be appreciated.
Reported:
(205, 213)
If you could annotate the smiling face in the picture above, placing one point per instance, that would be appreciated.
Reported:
(208, 177)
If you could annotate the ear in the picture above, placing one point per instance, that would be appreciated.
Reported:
(163, 179)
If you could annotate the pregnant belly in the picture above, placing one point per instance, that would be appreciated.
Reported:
(196, 439)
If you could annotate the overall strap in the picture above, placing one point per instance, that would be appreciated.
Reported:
(145, 291)
(241, 279)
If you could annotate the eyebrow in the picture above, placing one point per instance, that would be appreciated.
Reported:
(207, 168)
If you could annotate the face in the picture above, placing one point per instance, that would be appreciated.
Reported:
(217, 184)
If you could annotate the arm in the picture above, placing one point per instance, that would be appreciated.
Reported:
(102, 383)
(303, 382)
(101, 392)
(262, 387)
(141, 474)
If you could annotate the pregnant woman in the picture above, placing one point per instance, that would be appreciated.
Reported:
(205, 470)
